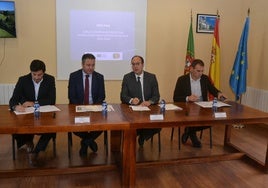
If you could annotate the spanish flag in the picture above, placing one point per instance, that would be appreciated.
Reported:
(214, 69)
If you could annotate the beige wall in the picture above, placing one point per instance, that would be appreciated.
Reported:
(167, 32)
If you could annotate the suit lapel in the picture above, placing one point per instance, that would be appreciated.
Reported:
(188, 84)
(145, 84)
(80, 83)
(93, 83)
(30, 87)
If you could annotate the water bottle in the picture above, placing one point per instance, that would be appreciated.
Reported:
(162, 106)
(215, 104)
(104, 108)
(36, 110)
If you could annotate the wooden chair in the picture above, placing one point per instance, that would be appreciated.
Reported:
(159, 141)
(13, 146)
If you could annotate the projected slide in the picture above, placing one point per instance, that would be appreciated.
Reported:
(107, 35)
(112, 30)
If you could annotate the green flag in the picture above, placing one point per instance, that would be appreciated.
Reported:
(190, 50)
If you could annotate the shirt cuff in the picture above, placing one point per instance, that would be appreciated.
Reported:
(130, 101)
(13, 108)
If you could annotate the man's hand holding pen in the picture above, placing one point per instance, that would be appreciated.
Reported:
(19, 108)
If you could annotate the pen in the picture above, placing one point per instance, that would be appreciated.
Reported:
(54, 115)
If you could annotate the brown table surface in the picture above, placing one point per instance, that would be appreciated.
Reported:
(62, 121)
(190, 115)
(126, 120)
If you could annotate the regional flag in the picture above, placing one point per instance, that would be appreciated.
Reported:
(238, 78)
(190, 50)
(214, 69)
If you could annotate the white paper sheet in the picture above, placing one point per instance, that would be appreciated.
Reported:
(45, 108)
(140, 108)
(92, 108)
(172, 107)
(208, 104)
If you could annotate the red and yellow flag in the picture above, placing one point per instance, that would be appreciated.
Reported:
(214, 69)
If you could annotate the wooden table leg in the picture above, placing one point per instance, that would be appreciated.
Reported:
(129, 158)
(116, 141)
(227, 135)
(266, 161)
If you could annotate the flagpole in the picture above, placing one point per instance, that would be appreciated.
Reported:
(240, 97)
(238, 76)
(190, 48)
(239, 126)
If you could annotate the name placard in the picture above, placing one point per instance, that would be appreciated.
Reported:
(156, 117)
(220, 115)
(82, 119)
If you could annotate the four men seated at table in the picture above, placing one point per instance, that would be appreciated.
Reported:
(86, 86)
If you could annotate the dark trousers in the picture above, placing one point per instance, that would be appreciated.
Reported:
(148, 133)
(193, 130)
(22, 139)
(92, 135)
(41, 144)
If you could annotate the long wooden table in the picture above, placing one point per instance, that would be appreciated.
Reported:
(191, 115)
(60, 121)
(125, 120)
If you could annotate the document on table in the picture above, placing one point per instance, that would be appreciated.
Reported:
(45, 108)
(92, 108)
(172, 107)
(208, 104)
(140, 108)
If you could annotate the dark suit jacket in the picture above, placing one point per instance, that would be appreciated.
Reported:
(76, 88)
(183, 88)
(24, 91)
(130, 88)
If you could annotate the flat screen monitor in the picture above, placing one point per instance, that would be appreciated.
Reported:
(7, 19)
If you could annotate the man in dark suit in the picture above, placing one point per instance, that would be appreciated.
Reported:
(140, 88)
(193, 87)
(95, 95)
(35, 86)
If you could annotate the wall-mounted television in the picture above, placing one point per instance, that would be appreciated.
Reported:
(7, 19)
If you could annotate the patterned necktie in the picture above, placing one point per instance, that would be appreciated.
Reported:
(86, 92)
